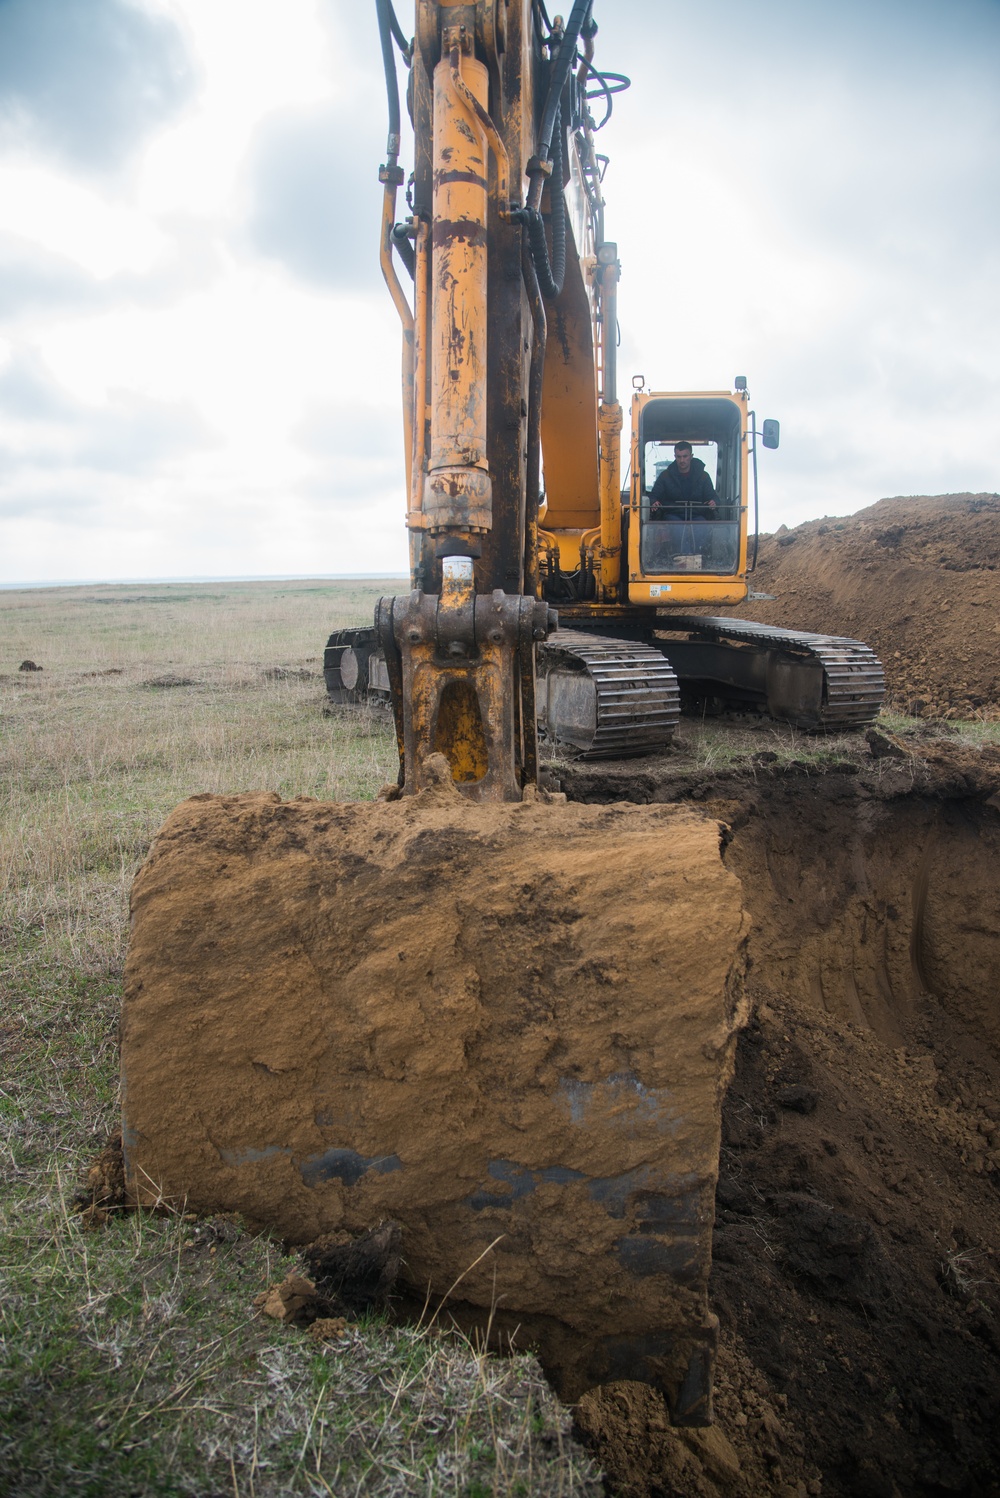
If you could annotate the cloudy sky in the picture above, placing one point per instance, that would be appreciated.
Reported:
(198, 362)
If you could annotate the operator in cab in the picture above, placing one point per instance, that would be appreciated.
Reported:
(683, 490)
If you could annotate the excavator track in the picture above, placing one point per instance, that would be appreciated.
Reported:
(819, 682)
(353, 668)
(606, 698)
(610, 698)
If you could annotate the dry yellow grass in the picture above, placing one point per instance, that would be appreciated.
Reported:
(131, 1360)
(95, 750)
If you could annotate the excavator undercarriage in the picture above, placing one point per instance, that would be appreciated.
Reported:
(602, 696)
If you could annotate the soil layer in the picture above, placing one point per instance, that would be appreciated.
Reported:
(856, 1271)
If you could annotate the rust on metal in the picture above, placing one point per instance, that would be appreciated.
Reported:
(475, 178)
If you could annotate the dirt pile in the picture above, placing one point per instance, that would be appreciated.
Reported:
(917, 579)
(347, 1277)
(103, 1195)
(856, 1269)
(506, 1026)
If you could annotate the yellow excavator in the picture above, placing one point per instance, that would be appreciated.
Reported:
(509, 371)
(502, 1020)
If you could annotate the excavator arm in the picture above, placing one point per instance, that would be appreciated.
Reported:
(497, 97)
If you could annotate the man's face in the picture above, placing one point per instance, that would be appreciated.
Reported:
(682, 457)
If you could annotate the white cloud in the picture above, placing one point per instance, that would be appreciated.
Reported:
(204, 367)
(74, 220)
(255, 58)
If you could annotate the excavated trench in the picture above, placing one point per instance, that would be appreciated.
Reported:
(855, 1255)
(854, 1261)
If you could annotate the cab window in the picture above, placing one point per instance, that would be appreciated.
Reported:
(686, 537)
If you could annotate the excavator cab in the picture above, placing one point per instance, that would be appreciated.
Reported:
(689, 552)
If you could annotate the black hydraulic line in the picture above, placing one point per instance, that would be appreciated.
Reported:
(386, 18)
(608, 84)
(602, 88)
(397, 31)
(549, 161)
(564, 60)
(542, 14)
(534, 463)
(551, 272)
(404, 249)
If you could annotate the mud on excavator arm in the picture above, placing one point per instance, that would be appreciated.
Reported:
(491, 95)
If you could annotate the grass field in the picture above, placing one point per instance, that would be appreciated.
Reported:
(132, 1361)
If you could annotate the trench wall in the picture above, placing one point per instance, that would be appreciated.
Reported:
(863, 907)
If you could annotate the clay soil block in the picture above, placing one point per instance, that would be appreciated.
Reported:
(495, 1025)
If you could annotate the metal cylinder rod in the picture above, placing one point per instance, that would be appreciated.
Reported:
(458, 490)
(610, 428)
(609, 334)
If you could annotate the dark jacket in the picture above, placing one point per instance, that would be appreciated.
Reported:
(682, 496)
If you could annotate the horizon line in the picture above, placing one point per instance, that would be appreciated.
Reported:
(206, 577)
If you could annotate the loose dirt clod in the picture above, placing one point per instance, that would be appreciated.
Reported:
(328, 1329)
(293, 1300)
(104, 1193)
(358, 1273)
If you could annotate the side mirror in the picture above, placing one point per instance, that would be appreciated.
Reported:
(770, 432)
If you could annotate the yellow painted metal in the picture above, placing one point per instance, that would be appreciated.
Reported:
(685, 591)
(421, 313)
(460, 657)
(610, 428)
(569, 405)
(440, 718)
(459, 734)
(565, 544)
(453, 722)
(496, 145)
(457, 490)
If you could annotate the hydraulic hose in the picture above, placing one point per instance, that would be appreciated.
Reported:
(557, 79)
(386, 30)
(551, 272)
(397, 31)
(535, 378)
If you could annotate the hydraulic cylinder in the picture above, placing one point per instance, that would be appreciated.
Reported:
(458, 490)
